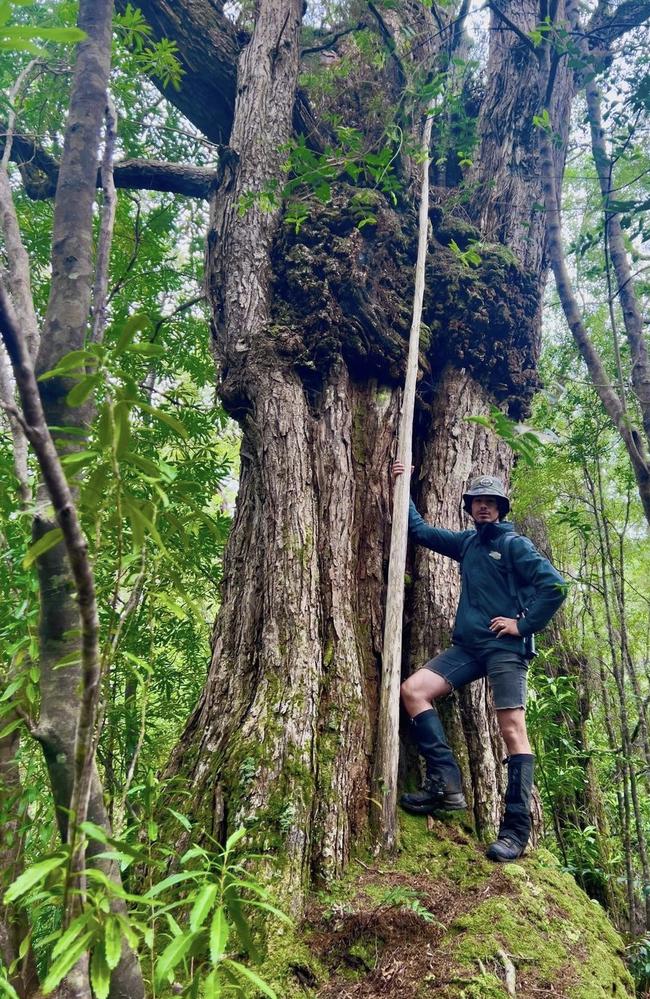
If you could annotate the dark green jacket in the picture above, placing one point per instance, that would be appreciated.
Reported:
(485, 592)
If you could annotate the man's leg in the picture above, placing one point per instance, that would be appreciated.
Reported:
(508, 679)
(512, 723)
(442, 788)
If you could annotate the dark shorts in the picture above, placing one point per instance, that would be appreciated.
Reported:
(506, 671)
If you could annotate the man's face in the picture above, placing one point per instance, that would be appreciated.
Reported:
(485, 509)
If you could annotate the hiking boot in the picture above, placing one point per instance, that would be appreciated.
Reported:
(504, 850)
(435, 796)
(515, 827)
(428, 734)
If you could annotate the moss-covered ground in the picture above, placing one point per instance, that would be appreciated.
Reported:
(440, 920)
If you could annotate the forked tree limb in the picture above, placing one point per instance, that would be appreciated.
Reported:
(387, 750)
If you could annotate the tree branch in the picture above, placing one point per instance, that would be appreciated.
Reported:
(528, 42)
(605, 30)
(38, 434)
(611, 402)
(154, 175)
(632, 317)
(209, 45)
(331, 40)
(387, 35)
(40, 172)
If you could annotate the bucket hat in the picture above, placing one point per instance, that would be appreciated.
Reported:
(487, 485)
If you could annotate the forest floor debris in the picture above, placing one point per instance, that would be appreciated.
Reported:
(441, 921)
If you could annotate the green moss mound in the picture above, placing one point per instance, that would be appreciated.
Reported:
(440, 920)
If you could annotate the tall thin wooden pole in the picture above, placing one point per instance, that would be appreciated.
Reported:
(387, 753)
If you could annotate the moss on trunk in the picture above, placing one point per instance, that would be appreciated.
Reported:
(339, 292)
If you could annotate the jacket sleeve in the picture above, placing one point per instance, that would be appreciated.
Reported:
(548, 586)
(439, 540)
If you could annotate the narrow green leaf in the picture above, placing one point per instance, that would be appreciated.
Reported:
(11, 727)
(113, 942)
(137, 526)
(236, 913)
(71, 659)
(12, 688)
(73, 463)
(122, 427)
(173, 955)
(129, 933)
(173, 879)
(146, 349)
(7, 990)
(141, 523)
(235, 837)
(32, 876)
(105, 425)
(14, 45)
(61, 35)
(212, 986)
(219, 933)
(49, 540)
(144, 464)
(183, 819)
(25, 945)
(94, 832)
(172, 606)
(73, 361)
(273, 909)
(134, 324)
(100, 973)
(65, 962)
(204, 902)
(70, 935)
(258, 982)
(164, 417)
(78, 395)
(94, 489)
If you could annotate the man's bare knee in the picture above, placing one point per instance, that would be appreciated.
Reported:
(422, 688)
(512, 720)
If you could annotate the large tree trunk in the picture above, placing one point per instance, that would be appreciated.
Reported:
(310, 336)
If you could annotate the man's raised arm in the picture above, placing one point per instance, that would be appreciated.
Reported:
(438, 539)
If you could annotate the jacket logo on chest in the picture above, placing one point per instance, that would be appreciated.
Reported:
(496, 555)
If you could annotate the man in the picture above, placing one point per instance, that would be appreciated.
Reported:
(508, 592)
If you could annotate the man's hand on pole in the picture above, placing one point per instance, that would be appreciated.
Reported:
(397, 468)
